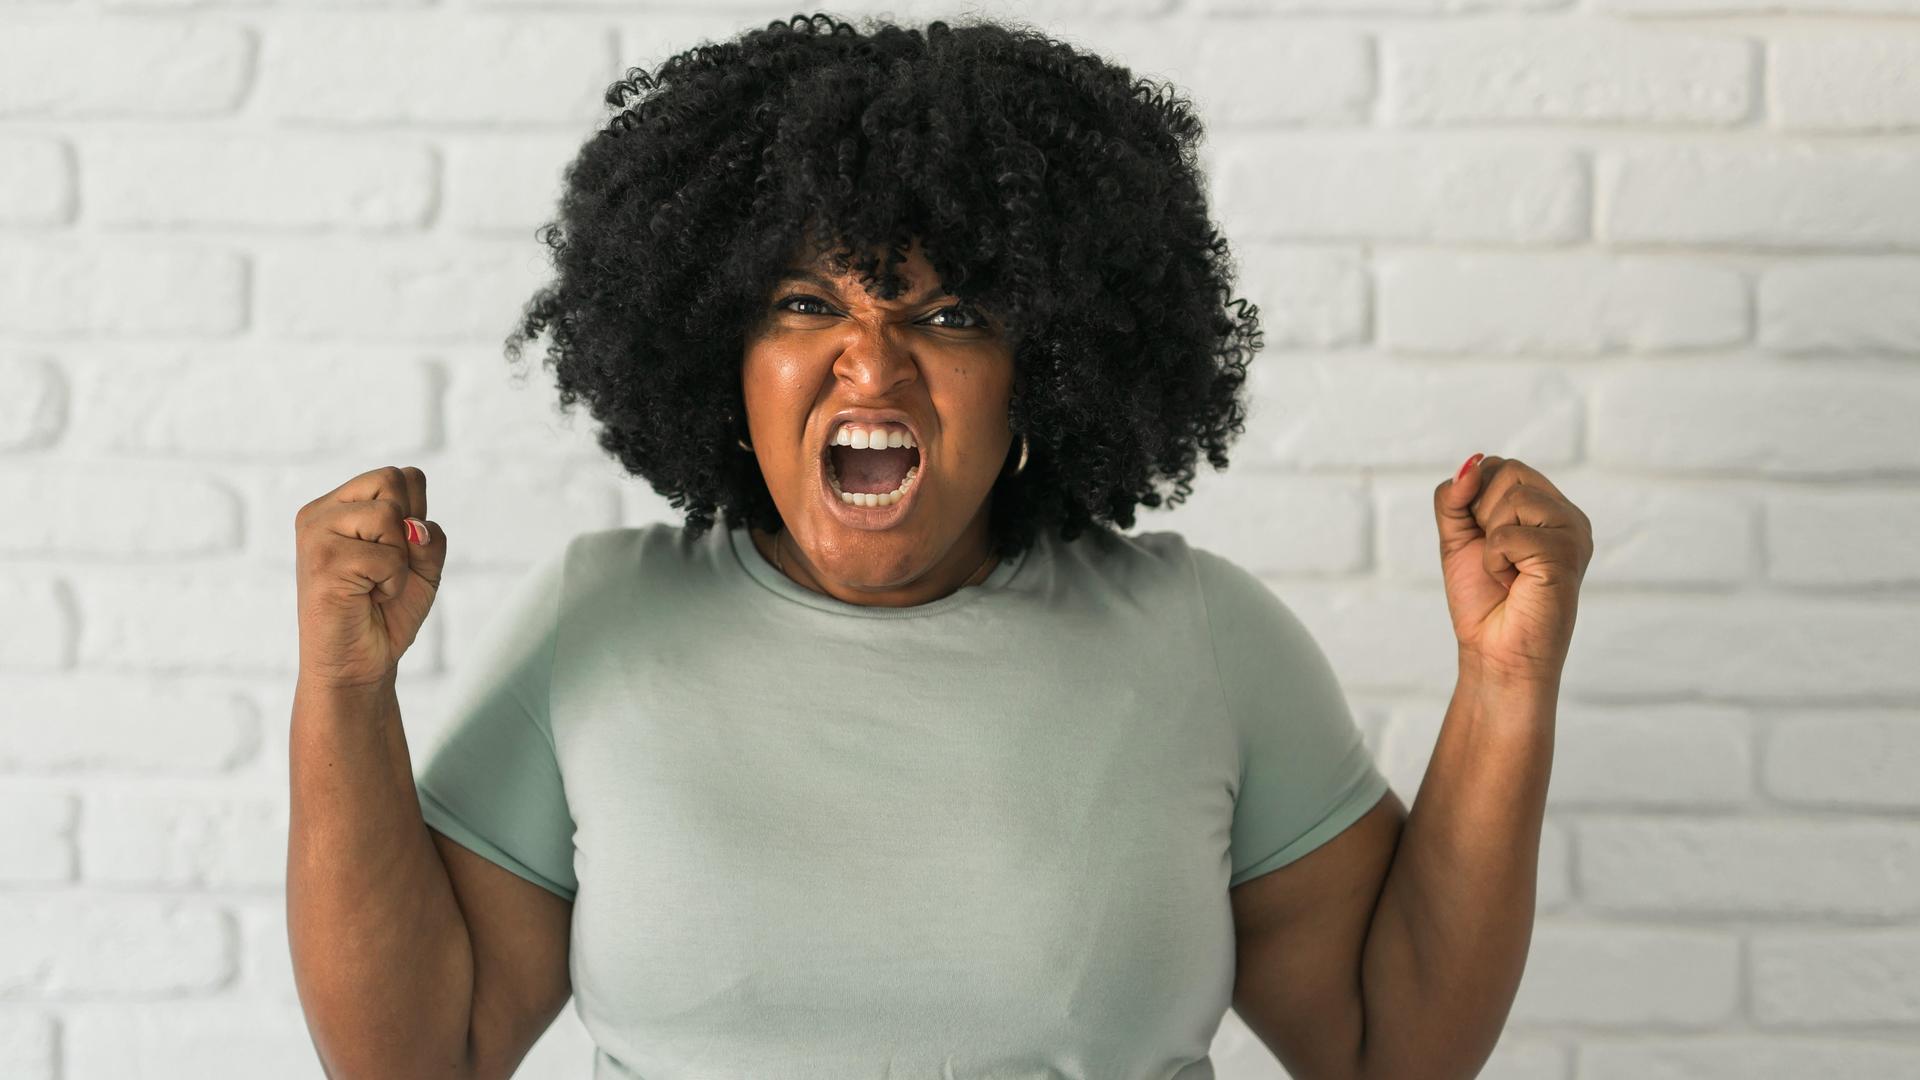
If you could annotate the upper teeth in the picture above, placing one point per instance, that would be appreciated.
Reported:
(878, 437)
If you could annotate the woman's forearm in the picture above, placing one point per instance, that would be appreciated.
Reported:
(381, 955)
(1449, 936)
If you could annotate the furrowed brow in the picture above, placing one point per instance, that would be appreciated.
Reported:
(802, 274)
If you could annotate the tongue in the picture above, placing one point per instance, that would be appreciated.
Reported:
(873, 471)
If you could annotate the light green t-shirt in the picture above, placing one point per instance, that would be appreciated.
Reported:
(987, 836)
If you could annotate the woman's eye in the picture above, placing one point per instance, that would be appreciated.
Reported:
(786, 301)
(978, 321)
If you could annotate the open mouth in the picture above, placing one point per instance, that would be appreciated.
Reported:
(872, 465)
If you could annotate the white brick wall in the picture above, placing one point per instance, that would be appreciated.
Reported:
(1667, 251)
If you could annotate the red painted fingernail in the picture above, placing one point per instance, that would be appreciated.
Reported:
(1470, 463)
(416, 532)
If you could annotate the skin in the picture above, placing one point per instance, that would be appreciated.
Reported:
(827, 345)
(1395, 949)
(1392, 951)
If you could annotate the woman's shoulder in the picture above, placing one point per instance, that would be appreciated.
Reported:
(1138, 563)
(653, 552)
(592, 544)
(1168, 560)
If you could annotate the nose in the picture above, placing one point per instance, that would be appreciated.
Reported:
(874, 363)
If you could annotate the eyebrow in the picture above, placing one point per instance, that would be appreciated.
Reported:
(797, 273)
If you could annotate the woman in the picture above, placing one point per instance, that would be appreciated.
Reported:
(917, 766)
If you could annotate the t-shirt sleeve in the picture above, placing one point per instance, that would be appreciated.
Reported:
(1305, 770)
(491, 780)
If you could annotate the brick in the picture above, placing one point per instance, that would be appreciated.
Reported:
(1879, 530)
(1264, 73)
(1644, 533)
(1571, 302)
(39, 630)
(27, 1042)
(298, 404)
(1280, 73)
(415, 68)
(1837, 977)
(1333, 412)
(443, 293)
(640, 505)
(1652, 757)
(1519, 1057)
(57, 725)
(36, 182)
(1745, 648)
(33, 403)
(1637, 757)
(1716, 7)
(122, 510)
(1275, 523)
(1845, 80)
(498, 515)
(1804, 194)
(92, 946)
(1841, 304)
(88, 67)
(1785, 420)
(1307, 297)
(275, 181)
(1768, 868)
(112, 288)
(1553, 884)
(223, 840)
(266, 965)
(1855, 760)
(1743, 1057)
(1360, 189)
(205, 1040)
(496, 407)
(1391, 7)
(132, 620)
(661, 33)
(505, 514)
(274, 498)
(1598, 73)
(37, 844)
(1627, 976)
(504, 183)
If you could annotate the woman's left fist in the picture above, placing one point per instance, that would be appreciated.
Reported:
(1513, 552)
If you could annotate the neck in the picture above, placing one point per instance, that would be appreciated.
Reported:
(968, 562)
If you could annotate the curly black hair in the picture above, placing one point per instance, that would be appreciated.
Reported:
(1044, 184)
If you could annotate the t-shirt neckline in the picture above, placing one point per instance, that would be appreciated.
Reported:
(760, 570)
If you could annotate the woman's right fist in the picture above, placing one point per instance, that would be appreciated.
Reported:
(364, 587)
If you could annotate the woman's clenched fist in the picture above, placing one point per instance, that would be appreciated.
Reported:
(365, 583)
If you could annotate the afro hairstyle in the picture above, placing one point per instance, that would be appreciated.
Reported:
(1045, 185)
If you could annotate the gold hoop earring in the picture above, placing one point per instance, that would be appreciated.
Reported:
(1017, 469)
(743, 445)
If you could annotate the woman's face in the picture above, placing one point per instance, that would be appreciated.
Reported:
(943, 368)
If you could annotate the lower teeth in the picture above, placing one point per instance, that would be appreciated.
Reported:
(871, 498)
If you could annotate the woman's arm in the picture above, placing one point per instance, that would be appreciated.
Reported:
(412, 956)
(1394, 950)
(380, 951)
(1448, 940)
